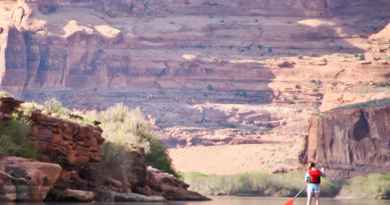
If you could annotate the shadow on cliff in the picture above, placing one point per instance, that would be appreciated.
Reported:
(91, 61)
(246, 82)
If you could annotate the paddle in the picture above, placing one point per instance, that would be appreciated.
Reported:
(291, 201)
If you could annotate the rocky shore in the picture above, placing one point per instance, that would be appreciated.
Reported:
(69, 167)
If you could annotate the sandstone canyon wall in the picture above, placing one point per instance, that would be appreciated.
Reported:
(351, 140)
(208, 72)
(195, 7)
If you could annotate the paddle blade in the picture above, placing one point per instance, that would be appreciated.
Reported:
(289, 202)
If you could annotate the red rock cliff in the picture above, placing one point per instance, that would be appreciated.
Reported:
(351, 140)
(57, 139)
(72, 145)
(193, 7)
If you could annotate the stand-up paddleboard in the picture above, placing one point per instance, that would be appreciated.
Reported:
(291, 201)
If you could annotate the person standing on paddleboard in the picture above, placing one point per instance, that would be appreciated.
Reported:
(313, 180)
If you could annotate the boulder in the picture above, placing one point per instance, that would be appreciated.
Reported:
(170, 187)
(78, 195)
(127, 197)
(120, 178)
(26, 180)
(286, 64)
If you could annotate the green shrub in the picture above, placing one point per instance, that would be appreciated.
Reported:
(127, 130)
(372, 186)
(112, 151)
(53, 106)
(120, 125)
(4, 94)
(27, 108)
(260, 184)
(157, 156)
(14, 140)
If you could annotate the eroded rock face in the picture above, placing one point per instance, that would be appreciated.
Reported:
(119, 178)
(124, 173)
(59, 141)
(242, 72)
(76, 147)
(26, 180)
(65, 141)
(79, 195)
(170, 187)
(351, 140)
(197, 7)
(313, 8)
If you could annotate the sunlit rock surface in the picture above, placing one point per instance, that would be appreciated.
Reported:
(207, 72)
(351, 140)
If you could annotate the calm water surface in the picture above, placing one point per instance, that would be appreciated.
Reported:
(240, 201)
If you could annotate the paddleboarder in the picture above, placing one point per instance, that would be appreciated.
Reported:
(313, 180)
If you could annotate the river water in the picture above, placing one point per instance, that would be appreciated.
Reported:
(238, 201)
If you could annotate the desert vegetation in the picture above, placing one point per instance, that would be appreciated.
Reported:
(4, 94)
(14, 134)
(54, 108)
(125, 130)
(372, 186)
(257, 184)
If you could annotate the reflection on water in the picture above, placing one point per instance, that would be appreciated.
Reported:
(235, 201)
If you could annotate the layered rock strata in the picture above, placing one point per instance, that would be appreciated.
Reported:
(239, 73)
(128, 172)
(70, 142)
(26, 180)
(351, 140)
